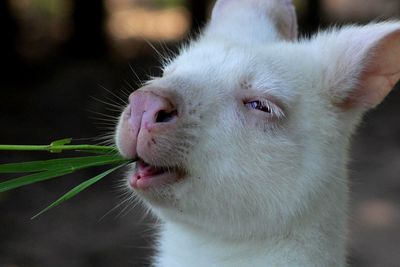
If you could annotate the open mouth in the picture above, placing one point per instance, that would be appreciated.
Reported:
(146, 175)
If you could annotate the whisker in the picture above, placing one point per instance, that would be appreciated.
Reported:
(115, 95)
(113, 209)
(118, 108)
(138, 82)
(114, 118)
(159, 54)
(129, 85)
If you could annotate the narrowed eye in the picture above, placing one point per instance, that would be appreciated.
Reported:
(259, 105)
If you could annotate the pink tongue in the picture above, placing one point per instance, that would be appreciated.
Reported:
(141, 179)
(144, 170)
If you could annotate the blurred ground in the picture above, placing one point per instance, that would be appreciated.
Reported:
(51, 98)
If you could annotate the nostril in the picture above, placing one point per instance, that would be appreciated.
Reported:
(164, 116)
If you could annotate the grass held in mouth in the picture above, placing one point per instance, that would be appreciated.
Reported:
(42, 170)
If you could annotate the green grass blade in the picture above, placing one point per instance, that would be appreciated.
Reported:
(61, 142)
(59, 146)
(73, 192)
(32, 178)
(64, 163)
(53, 171)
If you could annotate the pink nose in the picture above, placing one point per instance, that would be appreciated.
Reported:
(149, 110)
(148, 114)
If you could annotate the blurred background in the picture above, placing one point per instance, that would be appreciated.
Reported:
(63, 60)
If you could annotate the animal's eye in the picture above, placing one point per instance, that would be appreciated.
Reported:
(259, 105)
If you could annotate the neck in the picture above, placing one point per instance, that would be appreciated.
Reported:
(317, 240)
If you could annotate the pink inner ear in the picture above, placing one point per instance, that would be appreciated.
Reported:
(381, 73)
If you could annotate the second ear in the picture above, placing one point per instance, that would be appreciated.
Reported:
(280, 13)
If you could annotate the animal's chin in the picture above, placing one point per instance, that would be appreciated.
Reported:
(146, 176)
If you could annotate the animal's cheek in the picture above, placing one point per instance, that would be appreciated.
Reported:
(170, 145)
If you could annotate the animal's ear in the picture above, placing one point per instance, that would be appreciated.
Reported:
(362, 64)
(254, 20)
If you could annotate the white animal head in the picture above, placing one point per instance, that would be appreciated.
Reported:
(252, 124)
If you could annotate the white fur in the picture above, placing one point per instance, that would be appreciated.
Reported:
(263, 190)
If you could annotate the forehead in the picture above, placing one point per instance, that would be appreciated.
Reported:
(219, 67)
(212, 63)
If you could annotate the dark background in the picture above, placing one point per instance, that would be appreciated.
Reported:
(60, 60)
